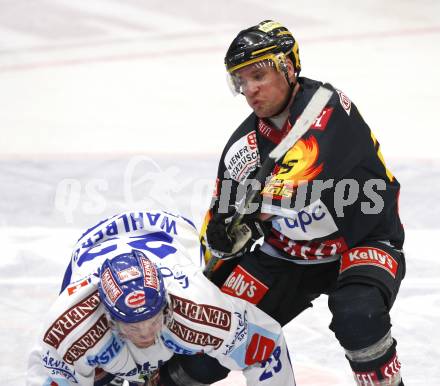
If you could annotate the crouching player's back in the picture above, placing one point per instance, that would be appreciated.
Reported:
(133, 297)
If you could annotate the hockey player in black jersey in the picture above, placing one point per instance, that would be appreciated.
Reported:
(328, 211)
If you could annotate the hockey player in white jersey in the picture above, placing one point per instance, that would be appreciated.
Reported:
(133, 296)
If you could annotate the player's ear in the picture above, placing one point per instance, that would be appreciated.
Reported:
(290, 69)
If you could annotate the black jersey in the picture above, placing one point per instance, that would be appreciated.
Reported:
(330, 192)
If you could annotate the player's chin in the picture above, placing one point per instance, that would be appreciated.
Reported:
(261, 113)
(144, 343)
(264, 112)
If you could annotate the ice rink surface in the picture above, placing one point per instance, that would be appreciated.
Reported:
(111, 105)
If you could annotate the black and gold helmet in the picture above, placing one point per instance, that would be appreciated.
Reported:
(269, 40)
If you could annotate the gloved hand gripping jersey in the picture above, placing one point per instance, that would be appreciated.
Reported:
(226, 243)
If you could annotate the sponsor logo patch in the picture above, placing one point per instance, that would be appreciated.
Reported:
(145, 368)
(241, 333)
(128, 274)
(366, 378)
(298, 165)
(107, 353)
(178, 275)
(345, 101)
(135, 299)
(201, 313)
(87, 341)
(279, 189)
(368, 256)
(269, 26)
(271, 132)
(58, 367)
(260, 349)
(71, 319)
(242, 284)
(392, 368)
(320, 123)
(177, 348)
(252, 140)
(264, 128)
(307, 250)
(313, 221)
(242, 157)
(216, 192)
(110, 286)
(71, 289)
(193, 336)
(150, 274)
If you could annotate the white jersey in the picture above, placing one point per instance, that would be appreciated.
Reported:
(77, 337)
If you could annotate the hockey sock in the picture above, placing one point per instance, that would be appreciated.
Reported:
(377, 371)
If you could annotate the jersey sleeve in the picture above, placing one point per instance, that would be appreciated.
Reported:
(46, 367)
(53, 360)
(235, 332)
(258, 347)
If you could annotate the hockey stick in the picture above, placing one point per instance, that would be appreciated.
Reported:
(313, 109)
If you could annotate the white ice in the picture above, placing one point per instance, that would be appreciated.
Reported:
(107, 105)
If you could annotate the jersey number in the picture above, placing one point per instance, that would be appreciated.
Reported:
(268, 373)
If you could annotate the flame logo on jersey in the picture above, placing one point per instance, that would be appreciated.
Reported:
(299, 162)
(298, 165)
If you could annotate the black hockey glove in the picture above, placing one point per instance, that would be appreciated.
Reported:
(225, 243)
(106, 379)
(184, 370)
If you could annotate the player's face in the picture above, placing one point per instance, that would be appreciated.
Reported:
(142, 334)
(264, 87)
